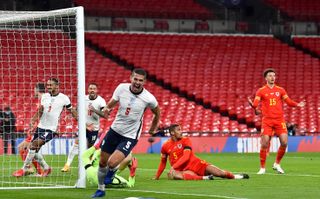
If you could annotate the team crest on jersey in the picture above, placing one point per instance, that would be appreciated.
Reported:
(277, 94)
(179, 146)
(132, 100)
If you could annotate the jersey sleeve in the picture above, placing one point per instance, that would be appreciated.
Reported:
(102, 103)
(287, 99)
(163, 162)
(42, 100)
(153, 102)
(257, 98)
(67, 103)
(163, 149)
(86, 156)
(117, 92)
(283, 94)
(187, 143)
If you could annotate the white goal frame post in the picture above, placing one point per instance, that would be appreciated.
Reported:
(9, 18)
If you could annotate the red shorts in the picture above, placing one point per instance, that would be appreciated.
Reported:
(197, 166)
(273, 126)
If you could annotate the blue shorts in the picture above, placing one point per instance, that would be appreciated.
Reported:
(114, 141)
(92, 136)
(44, 134)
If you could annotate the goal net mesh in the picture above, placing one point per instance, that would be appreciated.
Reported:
(35, 46)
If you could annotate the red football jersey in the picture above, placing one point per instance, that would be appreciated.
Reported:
(271, 101)
(174, 149)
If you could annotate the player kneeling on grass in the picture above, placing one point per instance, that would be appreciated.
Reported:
(184, 164)
(91, 158)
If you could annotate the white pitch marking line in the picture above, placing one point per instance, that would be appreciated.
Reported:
(180, 194)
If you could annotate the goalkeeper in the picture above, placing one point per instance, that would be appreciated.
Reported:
(91, 158)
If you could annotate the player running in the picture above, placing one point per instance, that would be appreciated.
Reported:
(133, 100)
(94, 104)
(48, 114)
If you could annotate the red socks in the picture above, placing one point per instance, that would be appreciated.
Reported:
(228, 175)
(23, 154)
(263, 157)
(280, 154)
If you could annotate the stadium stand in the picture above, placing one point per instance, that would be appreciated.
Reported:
(221, 70)
(173, 9)
(174, 108)
(100, 70)
(310, 43)
(225, 84)
(210, 70)
(301, 10)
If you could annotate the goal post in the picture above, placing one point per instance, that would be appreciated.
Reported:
(35, 46)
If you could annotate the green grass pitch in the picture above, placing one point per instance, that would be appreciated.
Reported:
(302, 180)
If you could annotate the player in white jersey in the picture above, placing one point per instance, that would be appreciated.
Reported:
(48, 114)
(125, 130)
(94, 105)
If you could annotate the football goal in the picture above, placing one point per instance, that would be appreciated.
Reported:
(34, 47)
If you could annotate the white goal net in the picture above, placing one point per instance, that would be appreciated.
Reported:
(36, 46)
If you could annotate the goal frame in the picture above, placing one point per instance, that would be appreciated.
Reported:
(78, 12)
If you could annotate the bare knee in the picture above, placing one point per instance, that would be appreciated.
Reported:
(36, 146)
(103, 161)
(284, 144)
(112, 163)
(102, 164)
(174, 175)
(265, 143)
(283, 140)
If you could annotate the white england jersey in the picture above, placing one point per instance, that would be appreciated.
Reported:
(52, 108)
(92, 117)
(128, 121)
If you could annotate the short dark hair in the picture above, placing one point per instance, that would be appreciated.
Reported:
(268, 70)
(93, 83)
(140, 71)
(55, 80)
(40, 86)
(172, 127)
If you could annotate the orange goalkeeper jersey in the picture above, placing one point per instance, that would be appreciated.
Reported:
(271, 101)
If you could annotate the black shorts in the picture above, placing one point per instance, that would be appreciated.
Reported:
(44, 134)
(114, 141)
(92, 136)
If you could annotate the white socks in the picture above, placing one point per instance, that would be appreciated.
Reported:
(29, 158)
(74, 151)
(41, 161)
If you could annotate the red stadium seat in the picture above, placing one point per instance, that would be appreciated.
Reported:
(220, 81)
(175, 9)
